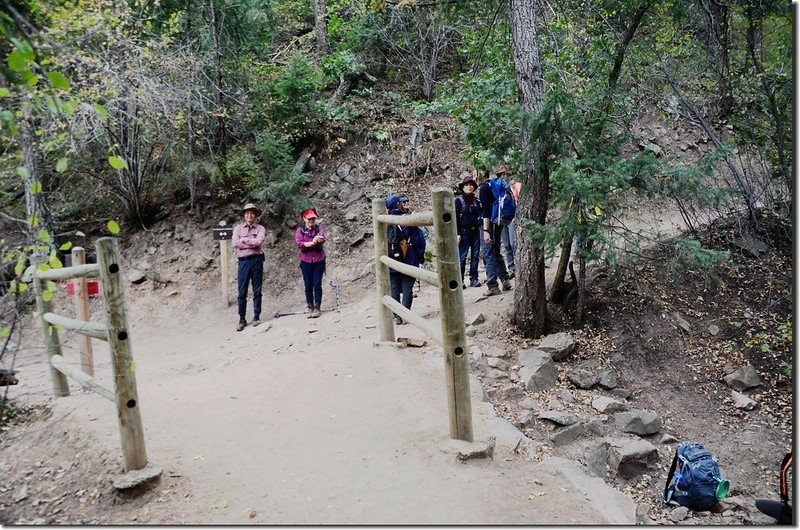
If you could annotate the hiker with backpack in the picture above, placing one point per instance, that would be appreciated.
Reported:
(508, 235)
(468, 227)
(498, 209)
(406, 245)
(309, 239)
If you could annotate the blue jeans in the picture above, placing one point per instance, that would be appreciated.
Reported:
(312, 277)
(509, 239)
(251, 270)
(402, 284)
(493, 259)
(471, 241)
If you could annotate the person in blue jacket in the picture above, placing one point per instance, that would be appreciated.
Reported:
(401, 285)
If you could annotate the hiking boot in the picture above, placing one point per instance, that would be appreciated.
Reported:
(241, 325)
(398, 320)
(310, 312)
(256, 322)
(315, 312)
(475, 283)
(492, 290)
(506, 285)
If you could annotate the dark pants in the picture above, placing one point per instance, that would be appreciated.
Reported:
(402, 283)
(493, 258)
(471, 241)
(312, 277)
(251, 269)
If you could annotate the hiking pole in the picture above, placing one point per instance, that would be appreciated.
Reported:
(336, 289)
(279, 314)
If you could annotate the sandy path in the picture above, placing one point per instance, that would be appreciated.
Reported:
(281, 425)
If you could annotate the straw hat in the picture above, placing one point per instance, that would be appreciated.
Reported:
(250, 206)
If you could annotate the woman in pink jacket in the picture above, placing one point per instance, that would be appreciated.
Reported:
(309, 238)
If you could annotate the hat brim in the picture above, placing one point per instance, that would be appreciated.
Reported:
(311, 216)
(461, 186)
(254, 210)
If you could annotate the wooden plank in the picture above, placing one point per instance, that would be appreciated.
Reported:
(384, 316)
(82, 312)
(451, 298)
(426, 276)
(90, 329)
(414, 219)
(127, 399)
(412, 318)
(67, 273)
(83, 379)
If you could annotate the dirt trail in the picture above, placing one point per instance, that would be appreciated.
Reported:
(308, 421)
(304, 422)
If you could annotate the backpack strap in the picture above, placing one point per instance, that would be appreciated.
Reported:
(667, 497)
(785, 466)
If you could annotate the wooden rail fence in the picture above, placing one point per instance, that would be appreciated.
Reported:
(116, 332)
(447, 278)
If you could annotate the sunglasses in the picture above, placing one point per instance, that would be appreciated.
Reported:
(403, 202)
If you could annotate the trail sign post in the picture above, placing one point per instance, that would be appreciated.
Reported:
(223, 234)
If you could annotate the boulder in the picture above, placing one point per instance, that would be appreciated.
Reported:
(558, 345)
(743, 378)
(631, 458)
(637, 421)
(500, 364)
(559, 418)
(583, 378)
(476, 320)
(529, 404)
(608, 380)
(607, 405)
(742, 402)
(568, 434)
(539, 374)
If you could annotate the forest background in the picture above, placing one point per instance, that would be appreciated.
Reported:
(112, 112)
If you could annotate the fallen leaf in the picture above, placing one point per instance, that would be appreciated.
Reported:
(223, 504)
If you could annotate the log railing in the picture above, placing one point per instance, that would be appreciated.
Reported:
(115, 331)
(451, 335)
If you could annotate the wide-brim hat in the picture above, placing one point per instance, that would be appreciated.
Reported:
(250, 206)
(468, 180)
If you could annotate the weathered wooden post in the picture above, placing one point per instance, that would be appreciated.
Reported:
(451, 298)
(82, 312)
(130, 421)
(51, 341)
(223, 234)
(385, 320)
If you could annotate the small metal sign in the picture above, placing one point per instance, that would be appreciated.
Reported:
(222, 233)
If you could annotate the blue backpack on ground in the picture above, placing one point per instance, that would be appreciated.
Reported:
(504, 209)
(694, 479)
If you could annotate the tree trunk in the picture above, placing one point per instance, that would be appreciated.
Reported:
(321, 29)
(217, 53)
(37, 209)
(557, 292)
(530, 298)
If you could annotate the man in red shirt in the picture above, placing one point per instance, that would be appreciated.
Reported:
(248, 238)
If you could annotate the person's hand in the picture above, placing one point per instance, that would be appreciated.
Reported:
(459, 238)
(487, 237)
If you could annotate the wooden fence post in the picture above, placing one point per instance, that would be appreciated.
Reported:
(51, 341)
(223, 265)
(130, 421)
(384, 314)
(82, 312)
(451, 298)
